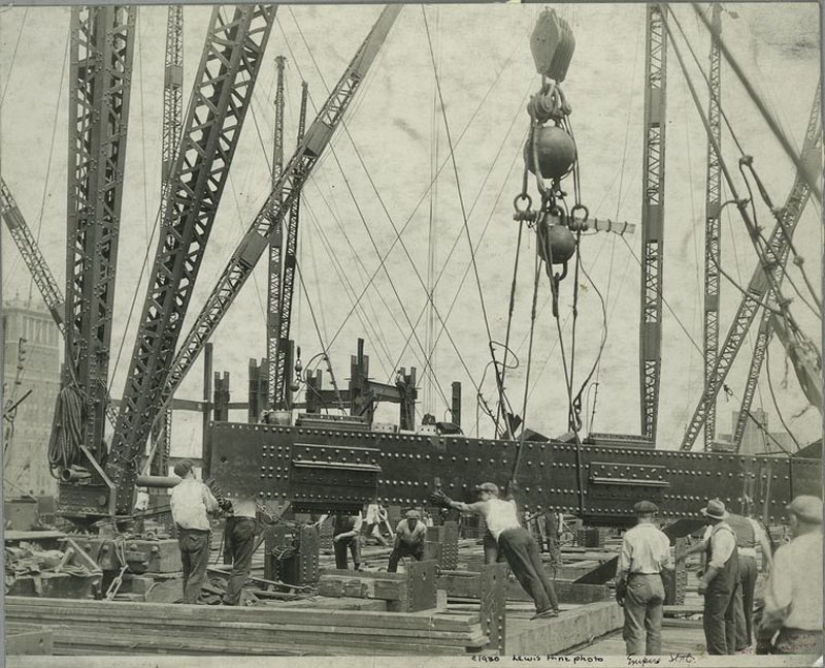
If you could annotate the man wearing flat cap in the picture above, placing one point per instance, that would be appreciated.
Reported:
(410, 535)
(792, 619)
(720, 582)
(190, 501)
(639, 588)
(514, 542)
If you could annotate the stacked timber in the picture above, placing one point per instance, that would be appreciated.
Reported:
(103, 627)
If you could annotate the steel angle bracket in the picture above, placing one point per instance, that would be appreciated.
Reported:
(493, 605)
(421, 586)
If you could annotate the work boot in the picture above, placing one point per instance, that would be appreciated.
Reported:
(545, 614)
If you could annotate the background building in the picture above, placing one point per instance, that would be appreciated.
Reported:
(31, 354)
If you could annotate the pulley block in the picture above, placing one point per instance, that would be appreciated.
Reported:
(552, 44)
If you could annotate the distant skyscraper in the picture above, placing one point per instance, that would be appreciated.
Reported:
(31, 354)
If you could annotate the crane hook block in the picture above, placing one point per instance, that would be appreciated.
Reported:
(552, 44)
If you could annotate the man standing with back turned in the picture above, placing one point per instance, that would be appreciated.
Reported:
(639, 588)
(515, 543)
(190, 501)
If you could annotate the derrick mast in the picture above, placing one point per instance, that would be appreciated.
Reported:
(653, 200)
(713, 203)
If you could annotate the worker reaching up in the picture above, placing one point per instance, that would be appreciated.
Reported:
(410, 535)
(515, 543)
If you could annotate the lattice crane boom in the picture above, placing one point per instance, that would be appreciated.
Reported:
(224, 83)
(273, 313)
(102, 45)
(713, 207)
(791, 213)
(271, 215)
(761, 288)
(29, 250)
(290, 261)
(653, 194)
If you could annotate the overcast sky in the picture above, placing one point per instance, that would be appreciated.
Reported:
(396, 131)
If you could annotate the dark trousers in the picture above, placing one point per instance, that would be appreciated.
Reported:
(341, 546)
(522, 554)
(403, 550)
(748, 573)
(240, 544)
(194, 555)
(643, 614)
(719, 618)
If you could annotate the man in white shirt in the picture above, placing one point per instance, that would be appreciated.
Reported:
(410, 535)
(720, 582)
(190, 501)
(514, 542)
(639, 587)
(793, 594)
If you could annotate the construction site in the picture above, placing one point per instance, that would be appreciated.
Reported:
(329, 336)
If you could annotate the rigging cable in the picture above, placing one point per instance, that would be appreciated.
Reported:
(772, 124)
(463, 211)
(773, 397)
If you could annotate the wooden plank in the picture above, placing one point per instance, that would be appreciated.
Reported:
(249, 629)
(205, 614)
(557, 635)
(162, 611)
(467, 586)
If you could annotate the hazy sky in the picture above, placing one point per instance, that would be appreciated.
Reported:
(396, 131)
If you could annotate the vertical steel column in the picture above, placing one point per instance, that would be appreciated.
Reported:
(650, 335)
(100, 83)
(713, 203)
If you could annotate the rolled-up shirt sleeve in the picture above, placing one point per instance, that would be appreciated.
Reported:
(722, 544)
(779, 588)
(209, 500)
(623, 565)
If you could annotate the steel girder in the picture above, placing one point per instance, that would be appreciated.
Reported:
(280, 200)
(226, 76)
(713, 205)
(290, 261)
(653, 200)
(100, 82)
(27, 245)
(326, 469)
(794, 205)
(273, 302)
(760, 287)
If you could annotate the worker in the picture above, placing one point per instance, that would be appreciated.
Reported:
(375, 519)
(190, 502)
(514, 542)
(792, 619)
(640, 591)
(141, 506)
(719, 582)
(241, 529)
(749, 535)
(410, 536)
(346, 530)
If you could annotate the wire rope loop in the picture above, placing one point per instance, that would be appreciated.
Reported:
(522, 197)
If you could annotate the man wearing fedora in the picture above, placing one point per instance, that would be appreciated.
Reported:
(639, 589)
(190, 502)
(720, 582)
(410, 535)
(514, 542)
(792, 618)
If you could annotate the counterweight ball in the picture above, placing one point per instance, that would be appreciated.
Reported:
(556, 150)
(559, 238)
